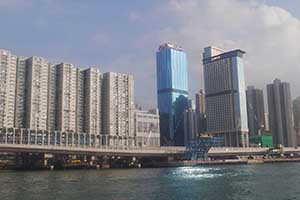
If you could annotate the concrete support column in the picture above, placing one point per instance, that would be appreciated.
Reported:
(67, 139)
(48, 140)
(5, 136)
(96, 141)
(28, 136)
(72, 140)
(43, 138)
(55, 138)
(35, 137)
(106, 140)
(84, 140)
(90, 138)
(116, 141)
(21, 136)
(60, 138)
(100, 141)
(14, 135)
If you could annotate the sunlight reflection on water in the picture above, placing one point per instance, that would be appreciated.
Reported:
(197, 172)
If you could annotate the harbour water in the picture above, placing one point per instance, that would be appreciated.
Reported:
(261, 181)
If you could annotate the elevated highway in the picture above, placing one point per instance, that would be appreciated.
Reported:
(103, 151)
(25, 140)
(236, 151)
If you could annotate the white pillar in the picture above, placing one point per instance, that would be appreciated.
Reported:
(43, 138)
(60, 138)
(55, 138)
(48, 141)
(5, 135)
(90, 138)
(29, 136)
(67, 139)
(72, 139)
(21, 136)
(84, 140)
(14, 135)
(35, 138)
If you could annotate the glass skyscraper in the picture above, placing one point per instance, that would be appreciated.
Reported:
(225, 95)
(172, 92)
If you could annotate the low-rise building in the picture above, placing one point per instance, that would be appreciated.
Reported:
(147, 128)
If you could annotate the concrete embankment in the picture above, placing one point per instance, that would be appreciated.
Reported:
(182, 163)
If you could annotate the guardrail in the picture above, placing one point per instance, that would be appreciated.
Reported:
(14, 138)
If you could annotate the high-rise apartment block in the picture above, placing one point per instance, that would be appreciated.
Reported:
(225, 95)
(20, 92)
(92, 101)
(255, 111)
(172, 92)
(52, 98)
(66, 97)
(281, 114)
(118, 104)
(8, 68)
(38, 95)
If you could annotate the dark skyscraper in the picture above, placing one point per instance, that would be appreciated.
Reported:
(172, 92)
(280, 113)
(296, 112)
(190, 125)
(200, 112)
(225, 95)
(255, 111)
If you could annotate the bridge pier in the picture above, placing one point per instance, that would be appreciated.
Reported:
(30, 161)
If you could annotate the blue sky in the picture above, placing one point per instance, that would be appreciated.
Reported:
(123, 36)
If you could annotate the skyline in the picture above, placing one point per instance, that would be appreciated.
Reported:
(93, 41)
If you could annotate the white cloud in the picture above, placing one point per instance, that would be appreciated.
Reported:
(101, 38)
(269, 35)
(133, 17)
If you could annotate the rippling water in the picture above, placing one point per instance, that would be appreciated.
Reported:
(267, 181)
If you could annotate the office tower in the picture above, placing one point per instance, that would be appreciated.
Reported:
(36, 93)
(8, 67)
(66, 97)
(280, 113)
(200, 101)
(172, 92)
(296, 113)
(118, 105)
(255, 111)
(147, 128)
(225, 95)
(190, 125)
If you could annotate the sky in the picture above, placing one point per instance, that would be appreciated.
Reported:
(123, 36)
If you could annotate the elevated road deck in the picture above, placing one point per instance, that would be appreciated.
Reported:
(25, 140)
(104, 151)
